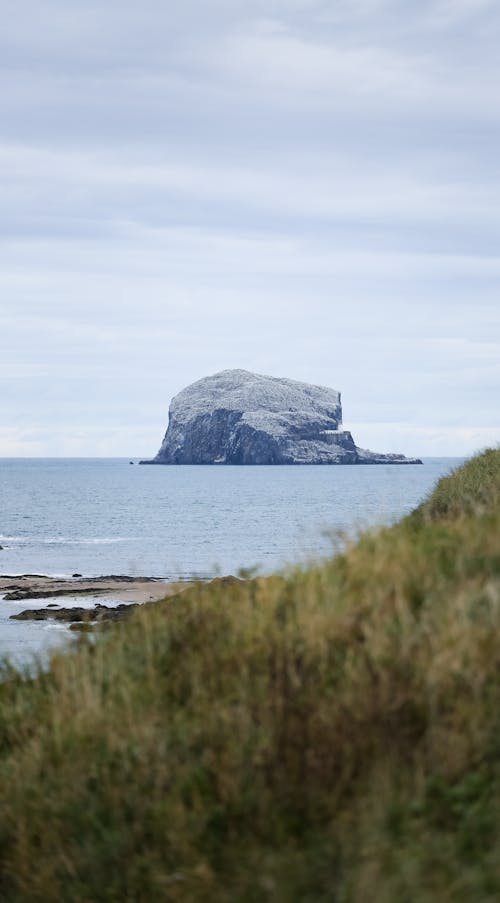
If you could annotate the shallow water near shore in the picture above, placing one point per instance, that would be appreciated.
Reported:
(104, 516)
(22, 641)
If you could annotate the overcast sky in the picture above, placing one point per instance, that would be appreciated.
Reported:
(304, 188)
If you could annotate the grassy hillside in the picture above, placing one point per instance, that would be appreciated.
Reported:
(331, 736)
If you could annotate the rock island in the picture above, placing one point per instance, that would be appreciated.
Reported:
(238, 417)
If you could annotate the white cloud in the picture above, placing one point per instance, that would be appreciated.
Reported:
(97, 188)
(273, 58)
(446, 13)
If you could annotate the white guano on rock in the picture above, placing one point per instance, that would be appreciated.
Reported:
(238, 417)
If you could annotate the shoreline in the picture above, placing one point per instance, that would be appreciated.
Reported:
(121, 588)
(97, 599)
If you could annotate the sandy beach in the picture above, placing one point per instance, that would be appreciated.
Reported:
(122, 588)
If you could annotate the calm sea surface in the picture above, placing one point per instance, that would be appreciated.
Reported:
(104, 516)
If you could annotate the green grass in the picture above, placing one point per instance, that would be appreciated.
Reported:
(331, 735)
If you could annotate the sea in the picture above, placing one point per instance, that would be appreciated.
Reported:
(102, 516)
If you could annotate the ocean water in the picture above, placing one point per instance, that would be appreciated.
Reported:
(104, 516)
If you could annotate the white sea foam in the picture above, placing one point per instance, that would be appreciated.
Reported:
(68, 540)
(84, 540)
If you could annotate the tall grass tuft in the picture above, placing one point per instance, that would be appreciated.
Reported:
(331, 735)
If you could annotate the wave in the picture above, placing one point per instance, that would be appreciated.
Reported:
(52, 576)
(68, 540)
(84, 540)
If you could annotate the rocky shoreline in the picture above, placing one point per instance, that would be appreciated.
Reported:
(78, 616)
(126, 593)
(39, 586)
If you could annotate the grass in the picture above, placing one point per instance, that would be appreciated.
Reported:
(331, 735)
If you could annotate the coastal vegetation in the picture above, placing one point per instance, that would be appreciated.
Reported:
(331, 734)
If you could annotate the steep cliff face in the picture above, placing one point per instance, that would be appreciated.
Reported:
(238, 417)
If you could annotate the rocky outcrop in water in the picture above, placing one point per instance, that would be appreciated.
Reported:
(238, 417)
(77, 615)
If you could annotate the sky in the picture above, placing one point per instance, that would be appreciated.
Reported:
(302, 188)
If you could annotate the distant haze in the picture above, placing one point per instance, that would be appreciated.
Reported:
(303, 188)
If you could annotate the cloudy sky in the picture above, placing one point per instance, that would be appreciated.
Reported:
(304, 188)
